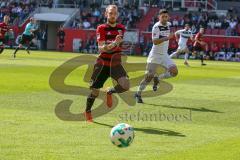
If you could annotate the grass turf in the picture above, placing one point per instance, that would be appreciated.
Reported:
(30, 130)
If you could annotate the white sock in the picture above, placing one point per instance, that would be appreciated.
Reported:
(173, 54)
(186, 57)
(165, 75)
(141, 87)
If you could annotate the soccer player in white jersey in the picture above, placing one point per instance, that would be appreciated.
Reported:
(182, 37)
(158, 55)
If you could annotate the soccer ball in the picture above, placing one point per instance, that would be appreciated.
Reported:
(122, 135)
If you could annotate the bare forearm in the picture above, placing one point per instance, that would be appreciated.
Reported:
(198, 41)
(34, 30)
(106, 48)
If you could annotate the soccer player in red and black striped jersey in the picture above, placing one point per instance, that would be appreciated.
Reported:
(108, 64)
(4, 27)
(199, 45)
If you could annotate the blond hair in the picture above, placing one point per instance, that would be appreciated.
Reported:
(111, 6)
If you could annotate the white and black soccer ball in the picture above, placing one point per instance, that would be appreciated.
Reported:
(122, 135)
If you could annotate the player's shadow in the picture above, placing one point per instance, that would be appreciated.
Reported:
(202, 109)
(150, 130)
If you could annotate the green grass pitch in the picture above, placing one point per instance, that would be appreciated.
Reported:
(30, 130)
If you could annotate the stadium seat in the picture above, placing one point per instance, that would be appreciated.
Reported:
(208, 31)
(221, 32)
(215, 32)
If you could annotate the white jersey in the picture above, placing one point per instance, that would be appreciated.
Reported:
(159, 31)
(184, 36)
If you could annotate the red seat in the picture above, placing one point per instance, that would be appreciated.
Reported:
(221, 32)
(208, 31)
(178, 28)
(215, 31)
(174, 29)
(238, 30)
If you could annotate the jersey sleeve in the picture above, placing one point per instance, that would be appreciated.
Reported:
(155, 33)
(27, 28)
(100, 34)
(178, 32)
(197, 36)
(9, 28)
(124, 30)
(191, 34)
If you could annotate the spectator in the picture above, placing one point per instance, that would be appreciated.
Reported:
(221, 54)
(50, 3)
(55, 3)
(233, 24)
(75, 23)
(175, 23)
(86, 24)
(11, 38)
(210, 20)
(43, 39)
(238, 29)
(182, 22)
(228, 31)
(237, 53)
(211, 24)
(96, 13)
(61, 38)
(211, 54)
(218, 24)
(91, 46)
(80, 45)
(141, 43)
(230, 53)
(194, 29)
(92, 15)
(17, 10)
(147, 48)
(225, 24)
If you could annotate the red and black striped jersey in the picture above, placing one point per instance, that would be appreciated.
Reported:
(108, 34)
(4, 28)
(198, 37)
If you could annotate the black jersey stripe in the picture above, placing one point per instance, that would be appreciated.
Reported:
(114, 52)
(108, 37)
(185, 36)
(113, 29)
(161, 36)
(110, 59)
(162, 28)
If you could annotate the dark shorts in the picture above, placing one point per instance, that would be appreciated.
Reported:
(26, 39)
(2, 41)
(102, 73)
(198, 48)
(61, 41)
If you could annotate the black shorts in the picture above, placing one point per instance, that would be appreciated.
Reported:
(2, 41)
(61, 41)
(198, 48)
(102, 73)
(26, 39)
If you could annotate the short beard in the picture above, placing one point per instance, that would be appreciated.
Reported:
(165, 23)
(110, 22)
